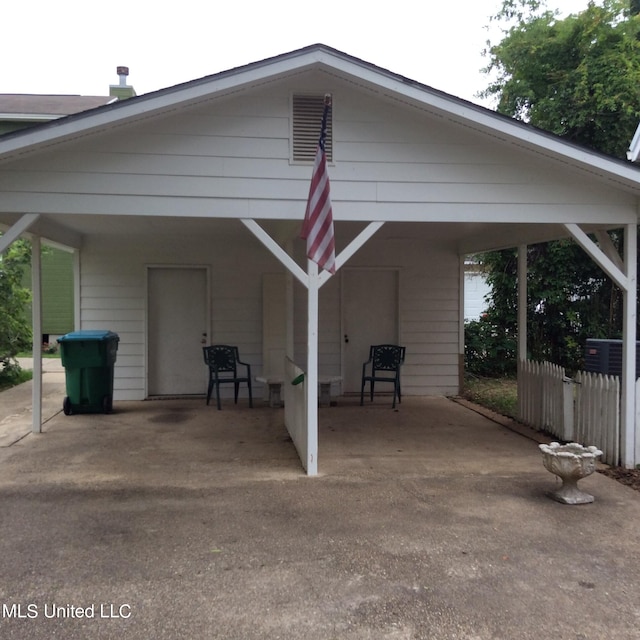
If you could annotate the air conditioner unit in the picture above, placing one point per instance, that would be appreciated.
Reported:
(605, 356)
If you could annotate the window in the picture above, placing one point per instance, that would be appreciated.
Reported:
(307, 120)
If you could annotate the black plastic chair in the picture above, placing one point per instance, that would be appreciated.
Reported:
(223, 361)
(384, 361)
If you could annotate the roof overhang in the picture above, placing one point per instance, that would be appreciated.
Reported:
(67, 221)
(320, 57)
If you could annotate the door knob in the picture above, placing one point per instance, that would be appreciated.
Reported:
(346, 338)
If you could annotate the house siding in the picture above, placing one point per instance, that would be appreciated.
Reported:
(476, 289)
(174, 176)
(232, 158)
(113, 296)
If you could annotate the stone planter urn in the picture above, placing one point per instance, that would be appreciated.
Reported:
(570, 462)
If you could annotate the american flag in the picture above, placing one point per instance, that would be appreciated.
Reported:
(317, 228)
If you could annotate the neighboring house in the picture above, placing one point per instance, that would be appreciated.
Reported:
(20, 111)
(57, 293)
(185, 207)
(476, 290)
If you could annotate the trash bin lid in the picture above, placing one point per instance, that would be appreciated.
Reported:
(89, 334)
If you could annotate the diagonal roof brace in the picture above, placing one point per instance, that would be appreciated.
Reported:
(599, 256)
(606, 244)
(293, 266)
(27, 220)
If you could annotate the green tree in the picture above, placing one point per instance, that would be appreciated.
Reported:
(15, 330)
(578, 77)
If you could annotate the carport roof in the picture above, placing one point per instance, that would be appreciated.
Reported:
(319, 56)
(486, 225)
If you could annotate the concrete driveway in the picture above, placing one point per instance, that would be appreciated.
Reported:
(169, 519)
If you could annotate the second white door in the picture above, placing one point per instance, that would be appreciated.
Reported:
(369, 316)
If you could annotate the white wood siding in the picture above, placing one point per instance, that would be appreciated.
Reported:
(476, 289)
(113, 296)
(429, 312)
(429, 320)
(231, 158)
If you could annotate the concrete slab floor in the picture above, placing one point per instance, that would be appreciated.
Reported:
(170, 519)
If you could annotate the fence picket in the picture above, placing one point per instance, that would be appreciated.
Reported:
(596, 405)
(597, 419)
(542, 404)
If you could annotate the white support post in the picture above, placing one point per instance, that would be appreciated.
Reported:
(629, 433)
(625, 279)
(76, 290)
(312, 369)
(461, 327)
(36, 279)
(522, 322)
(312, 281)
(522, 302)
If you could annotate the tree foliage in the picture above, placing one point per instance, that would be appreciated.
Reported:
(578, 77)
(569, 299)
(15, 331)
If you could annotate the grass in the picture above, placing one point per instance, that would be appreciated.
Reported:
(14, 378)
(498, 394)
(45, 354)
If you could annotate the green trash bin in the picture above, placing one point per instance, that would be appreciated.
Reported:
(88, 358)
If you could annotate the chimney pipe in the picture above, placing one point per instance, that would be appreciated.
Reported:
(122, 91)
(122, 72)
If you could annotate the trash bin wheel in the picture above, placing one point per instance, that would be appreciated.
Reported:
(66, 406)
(107, 404)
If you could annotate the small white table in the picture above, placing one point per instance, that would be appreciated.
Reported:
(275, 389)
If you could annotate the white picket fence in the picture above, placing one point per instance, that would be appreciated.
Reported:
(541, 403)
(597, 413)
(585, 409)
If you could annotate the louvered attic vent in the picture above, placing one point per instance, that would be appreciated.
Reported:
(307, 120)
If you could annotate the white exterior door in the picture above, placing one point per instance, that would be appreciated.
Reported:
(369, 316)
(177, 330)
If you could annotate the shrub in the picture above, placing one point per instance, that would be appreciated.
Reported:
(488, 350)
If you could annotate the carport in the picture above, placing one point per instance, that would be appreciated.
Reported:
(204, 178)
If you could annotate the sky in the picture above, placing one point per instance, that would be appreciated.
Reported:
(74, 46)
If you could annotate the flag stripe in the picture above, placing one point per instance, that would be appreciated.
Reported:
(317, 227)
